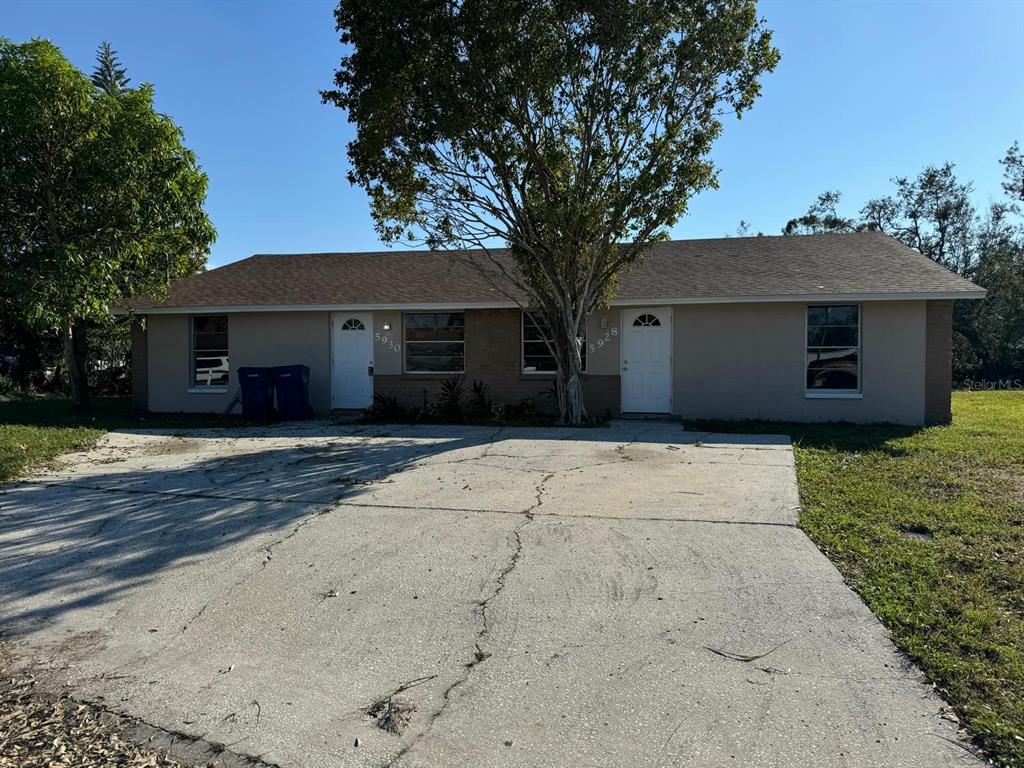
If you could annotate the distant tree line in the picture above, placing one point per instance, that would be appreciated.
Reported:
(933, 214)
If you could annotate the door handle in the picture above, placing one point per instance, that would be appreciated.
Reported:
(369, 370)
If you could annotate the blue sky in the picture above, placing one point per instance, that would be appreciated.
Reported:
(865, 91)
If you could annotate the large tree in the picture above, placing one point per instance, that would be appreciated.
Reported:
(822, 216)
(573, 132)
(102, 201)
(933, 214)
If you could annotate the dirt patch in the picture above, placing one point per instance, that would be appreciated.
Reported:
(917, 532)
(172, 446)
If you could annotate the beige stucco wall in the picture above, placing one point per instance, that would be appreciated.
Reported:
(387, 344)
(254, 338)
(746, 361)
(731, 361)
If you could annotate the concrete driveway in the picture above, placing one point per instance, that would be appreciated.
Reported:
(323, 595)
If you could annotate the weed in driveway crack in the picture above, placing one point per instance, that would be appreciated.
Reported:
(479, 654)
(391, 715)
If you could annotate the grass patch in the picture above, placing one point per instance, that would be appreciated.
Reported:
(927, 525)
(35, 430)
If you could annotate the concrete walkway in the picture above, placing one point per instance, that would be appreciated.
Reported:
(437, 596)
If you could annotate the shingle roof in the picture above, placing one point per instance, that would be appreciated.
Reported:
(733, 268)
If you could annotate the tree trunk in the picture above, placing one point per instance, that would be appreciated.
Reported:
(75, 352)
(571, 409)
(576, 411)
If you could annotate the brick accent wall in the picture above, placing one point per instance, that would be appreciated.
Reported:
(493, 355)
(140, 364)
(938, 373)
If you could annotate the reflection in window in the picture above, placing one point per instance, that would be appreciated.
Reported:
(435, 342)
(210, 351)
(537, 358)
(833, 348)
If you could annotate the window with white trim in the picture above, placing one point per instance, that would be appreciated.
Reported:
(435, 342)
(537, 358)
(209, 360)
(833, 348)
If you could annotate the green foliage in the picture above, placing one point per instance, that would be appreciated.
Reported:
(385, 408)
(965, 362)
(451, 399)
(954, 599)
(933, 214)
(479, 405)
(102, 199)
(573, 132)
(8, 388)
(1013, 174)
(109, 76)
(821, 217)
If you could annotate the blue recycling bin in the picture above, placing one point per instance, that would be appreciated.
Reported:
(291, 383)
(257, 395)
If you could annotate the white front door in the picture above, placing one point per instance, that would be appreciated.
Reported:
(647, 360)
(351, 359)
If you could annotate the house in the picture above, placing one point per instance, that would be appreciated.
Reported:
(851, 327)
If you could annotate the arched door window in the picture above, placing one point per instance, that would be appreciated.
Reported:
(646, 320)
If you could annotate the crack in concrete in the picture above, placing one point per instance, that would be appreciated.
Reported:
(184, 747)
(623, 518)
(269, 549)
(195, 617)
(480, 655)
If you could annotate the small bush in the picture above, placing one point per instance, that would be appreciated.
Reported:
(8, 389)
(385, 408)
(525, 409)
(451, 399)
(479, 406)
(499, 413)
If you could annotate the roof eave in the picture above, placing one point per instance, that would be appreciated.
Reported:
(978, 293)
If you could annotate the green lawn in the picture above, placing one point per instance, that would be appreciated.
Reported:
(38, 429)
(928, 527)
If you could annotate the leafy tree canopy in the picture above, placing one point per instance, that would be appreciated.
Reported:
(102, 199)
(821, 217)
(572, 131)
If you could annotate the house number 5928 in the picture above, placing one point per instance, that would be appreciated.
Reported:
(601, 341)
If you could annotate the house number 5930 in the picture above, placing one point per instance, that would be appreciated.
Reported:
(387, 341)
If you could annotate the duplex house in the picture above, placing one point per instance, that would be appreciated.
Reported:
(834, 327)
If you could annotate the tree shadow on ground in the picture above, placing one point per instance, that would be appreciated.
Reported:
(81, 537)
